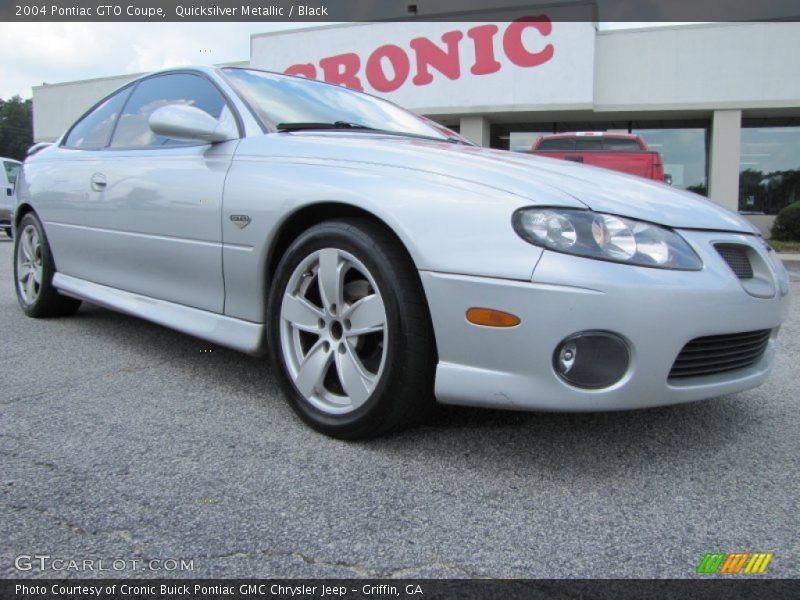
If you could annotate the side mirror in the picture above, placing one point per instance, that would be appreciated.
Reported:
(36, 147)
(183, 122)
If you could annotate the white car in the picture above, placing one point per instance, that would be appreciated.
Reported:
(383, 262)
(8, 179)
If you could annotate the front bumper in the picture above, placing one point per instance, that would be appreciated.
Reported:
(656, 311)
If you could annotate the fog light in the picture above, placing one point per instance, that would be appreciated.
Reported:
(592, 359)
(566, 357)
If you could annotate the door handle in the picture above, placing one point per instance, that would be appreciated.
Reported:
(9, 191)
(98, 182)
(577, 159)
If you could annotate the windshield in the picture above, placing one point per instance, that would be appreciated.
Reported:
(293, 103)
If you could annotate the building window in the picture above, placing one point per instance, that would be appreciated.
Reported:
(683, 144)
(684, 150)
(518, 137)
(522, 141)
(769, 166)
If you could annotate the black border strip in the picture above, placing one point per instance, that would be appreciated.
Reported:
(729, 587)
(397, 10)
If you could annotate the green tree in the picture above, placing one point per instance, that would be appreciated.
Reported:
(700, 188)
(16, 127)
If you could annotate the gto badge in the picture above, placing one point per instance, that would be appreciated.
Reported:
(241, 221)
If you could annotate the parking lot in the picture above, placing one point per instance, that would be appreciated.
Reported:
(124, 440)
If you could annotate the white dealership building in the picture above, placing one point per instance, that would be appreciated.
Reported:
(721, 102)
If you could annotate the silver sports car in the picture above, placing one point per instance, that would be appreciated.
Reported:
(383, 262)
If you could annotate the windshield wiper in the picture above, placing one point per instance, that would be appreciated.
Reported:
(284, 127)
(334, 125)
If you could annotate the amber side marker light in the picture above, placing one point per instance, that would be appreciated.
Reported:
(488, 317)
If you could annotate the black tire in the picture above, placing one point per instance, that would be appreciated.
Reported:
(403, 394)
(9, 232)
(48, 302)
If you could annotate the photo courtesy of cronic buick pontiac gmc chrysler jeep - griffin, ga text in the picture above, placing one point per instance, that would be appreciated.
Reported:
(383, 262)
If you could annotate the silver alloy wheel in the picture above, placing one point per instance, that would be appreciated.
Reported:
(30, 264)
(333, 331)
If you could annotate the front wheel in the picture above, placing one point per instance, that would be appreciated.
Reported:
(350, 333)
(33, 273)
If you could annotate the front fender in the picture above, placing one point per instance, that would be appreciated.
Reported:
(446, 224)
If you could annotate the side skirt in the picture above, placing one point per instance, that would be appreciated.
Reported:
(226, 331)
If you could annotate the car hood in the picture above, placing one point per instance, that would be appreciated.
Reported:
(541, 181)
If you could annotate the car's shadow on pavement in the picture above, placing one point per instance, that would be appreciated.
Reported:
(645, 439)
(490, 441)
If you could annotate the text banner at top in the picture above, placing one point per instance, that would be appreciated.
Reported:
(398, 10)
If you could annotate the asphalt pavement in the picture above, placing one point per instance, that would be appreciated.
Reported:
(122, 440)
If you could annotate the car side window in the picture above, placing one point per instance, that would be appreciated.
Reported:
(12, 170)
(93, 131)
(133, 129)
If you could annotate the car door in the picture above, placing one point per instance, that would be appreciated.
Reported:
(149, 221)
(56, 183)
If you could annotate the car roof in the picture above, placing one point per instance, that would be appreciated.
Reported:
(577, 134)
(217, 71)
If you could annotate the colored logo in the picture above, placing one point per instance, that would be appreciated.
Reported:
(734, 562)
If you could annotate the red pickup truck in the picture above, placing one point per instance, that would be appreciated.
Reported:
(618, 151)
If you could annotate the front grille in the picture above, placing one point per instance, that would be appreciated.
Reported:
(720, 353)
(736, 257)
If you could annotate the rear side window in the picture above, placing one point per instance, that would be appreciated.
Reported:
(133, 130)
(12, 170)
(557, 145)
(621, 145)
(93, 131)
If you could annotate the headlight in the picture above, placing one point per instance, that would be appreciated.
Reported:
(605, 237)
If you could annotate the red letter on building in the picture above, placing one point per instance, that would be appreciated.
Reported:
(342, 70)
(515, 49)
(430, 55)
(483, 36)
(305, 70)
(375, 75)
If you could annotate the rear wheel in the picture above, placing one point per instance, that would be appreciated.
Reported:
(349, 331)
(33, 273)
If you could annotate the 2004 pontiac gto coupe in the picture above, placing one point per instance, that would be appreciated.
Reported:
(382, 261)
